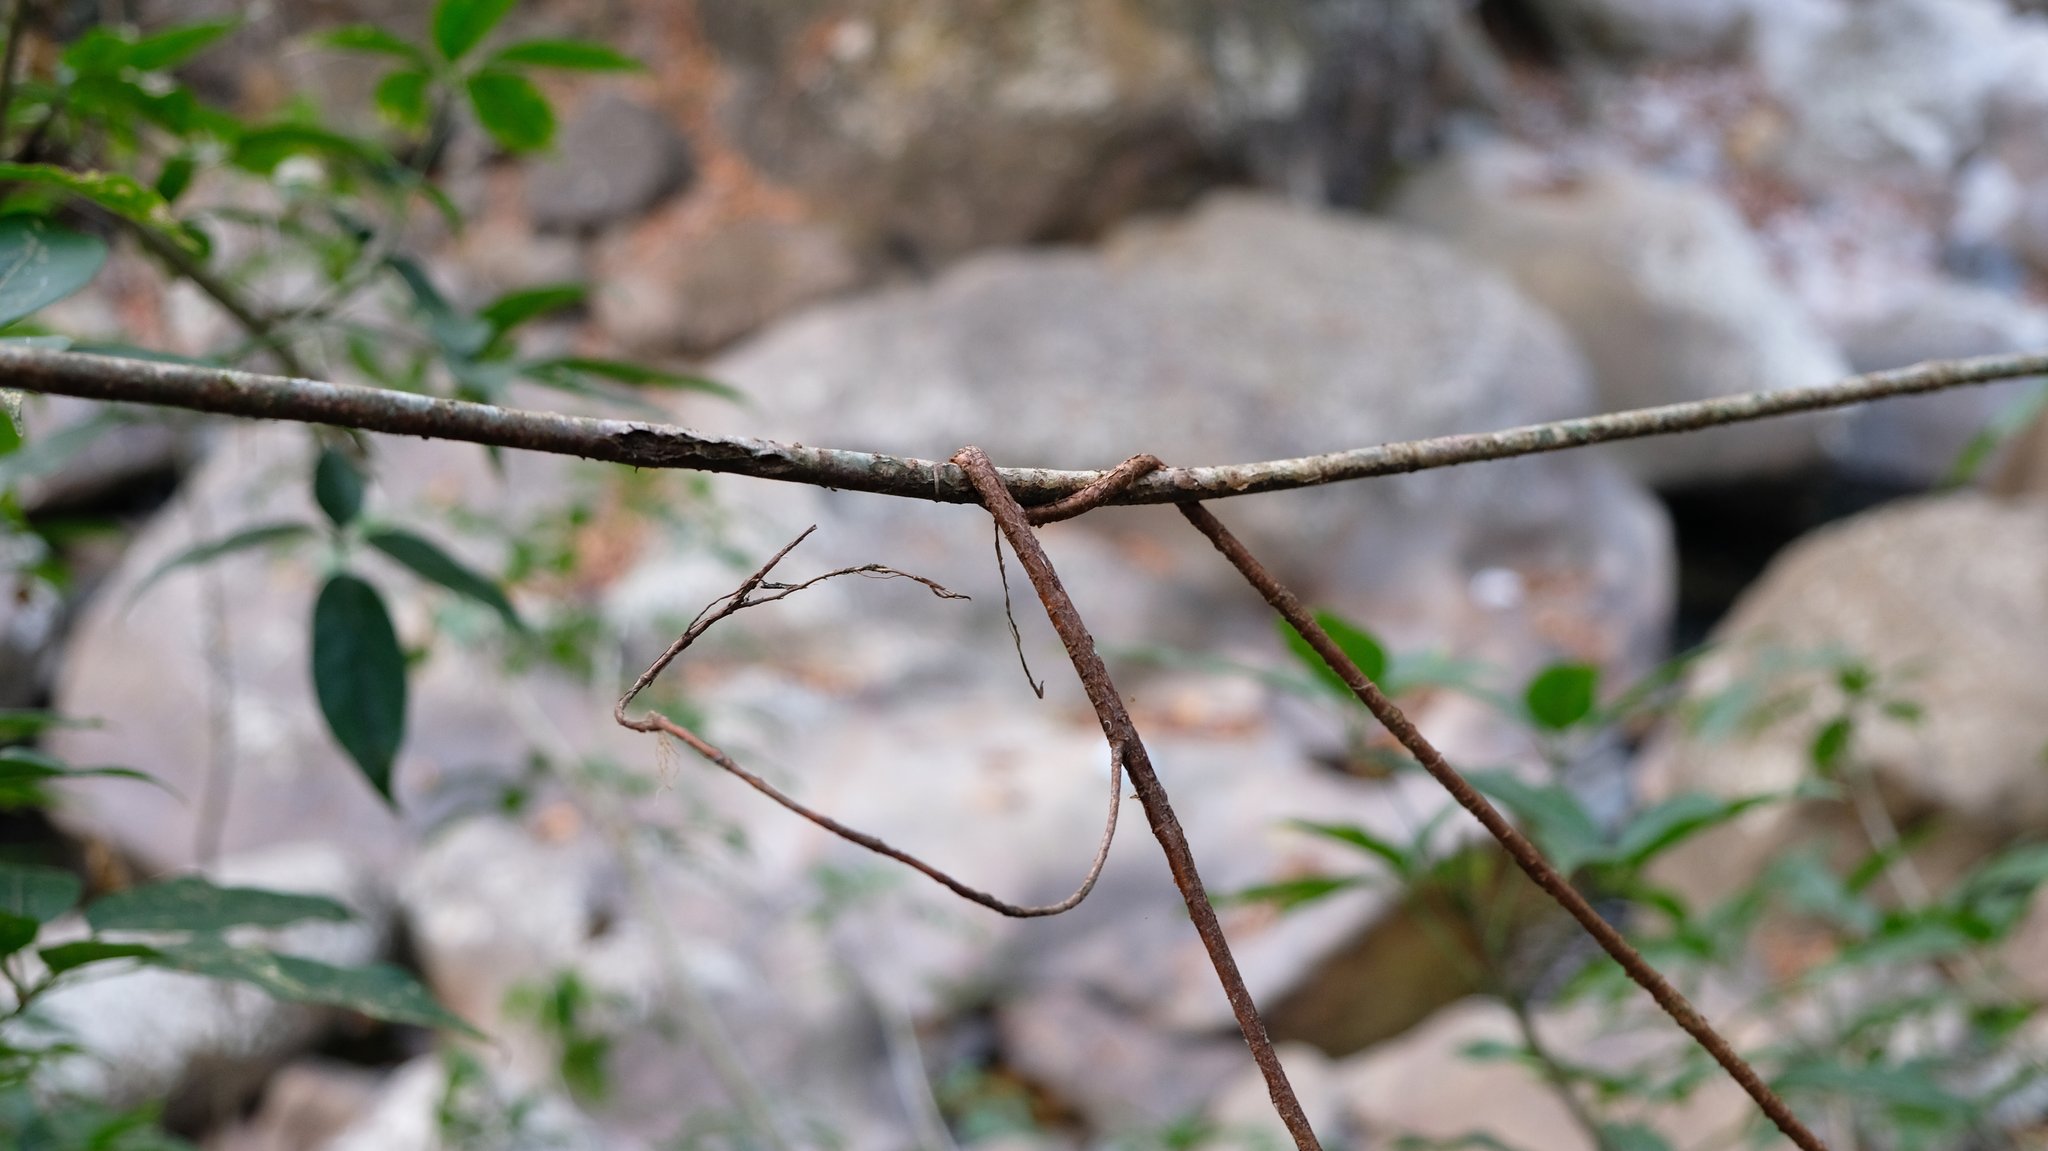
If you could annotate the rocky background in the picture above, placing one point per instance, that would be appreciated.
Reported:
(1069, 231)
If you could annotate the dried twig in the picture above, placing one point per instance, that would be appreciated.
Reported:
(744, 597)
(1518, 846)
(670, 446)
(1121, 732)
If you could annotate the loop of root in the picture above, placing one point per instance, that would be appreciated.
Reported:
(745, 597)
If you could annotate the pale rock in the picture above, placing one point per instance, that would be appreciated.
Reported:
(680, 281)
(407, 1116)
(1885, 86)
(305, 1105)
(1918, 439)
(1423, 1084)
(1244, 1110)
(1946, 599)
(1660, 283)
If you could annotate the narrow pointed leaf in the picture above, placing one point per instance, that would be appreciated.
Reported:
(174, 47)
(262, 535)
(515, 308)
(125, 196)
(70, 956)
(575, 55)
(359, 676)
(379, 991)
(372, 39)
(189, 903)
(426, 560)
(1357, 837)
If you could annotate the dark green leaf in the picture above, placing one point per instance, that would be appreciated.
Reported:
(459, 25)
(124, 196)
(576, 55)
(460, 337)
(189, 903)
(41, 263)
(67, 956)
(515, 308)
(1904, 711)
(1352, 640)
(1665, 825)
(1562, 694)
(1559, 825)
(1631, 1137)
(262, 535)
(25, 771)
(1999, 892)
(512, 110)
(370, 38)
(171, 48)
(262, 149)
(402, 98)
(429, 562)
(359, 676)
(380, 991)
(338, 487)
(175, 177)
(1288, 894)
(1354, 836)
(16, 932)
(559, 371)
(1906, 1085)
(38, 894)
(1830, 742)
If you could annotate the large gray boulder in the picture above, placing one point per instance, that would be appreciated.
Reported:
(1660, 282)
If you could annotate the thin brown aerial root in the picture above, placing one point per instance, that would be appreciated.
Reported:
(1519, 848)
(745, 597)
(1115, 718)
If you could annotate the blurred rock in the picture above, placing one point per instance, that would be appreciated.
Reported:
(1117, 1071)
(1897, 86)
(304, 1107)
(1917, 440)
(1656, 29)
(417, 1104)
(1424, 1084)
(938, 129)
(617, 159)
(202, 1044)
(1245, 330)
(145, 665)
(685, 281)
(1945, 598)
(1661, 284)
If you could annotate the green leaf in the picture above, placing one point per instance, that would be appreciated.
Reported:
(359, 676)
(628, 373)
(1560, 826)
(430, 563)
(37, 894)
(41, 263)
(1352, 640)
(262, 535)
(16, 932)
(1665, 825)
(24, 771)
(512, 110)
(69, 956)
(1562, 694)
(379, 991)
(402, 98)
(459, 25)
(1830, 742)
(576, 55)
(372, 39)
(1631, 1137)
(175, 176)
(1288, 894)
(189, 903)
(338, 487)
(262, 149)
(124, 196)
(171, 48)
(515, 308)
(1354, 836)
